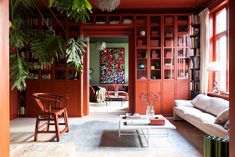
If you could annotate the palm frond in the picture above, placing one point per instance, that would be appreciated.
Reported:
(19, 72)
(74, 52)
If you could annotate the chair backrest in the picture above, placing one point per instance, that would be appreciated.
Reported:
(47, 101)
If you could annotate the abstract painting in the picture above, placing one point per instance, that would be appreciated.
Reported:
(112, 66)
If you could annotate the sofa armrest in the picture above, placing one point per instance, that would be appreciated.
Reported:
(185, 103)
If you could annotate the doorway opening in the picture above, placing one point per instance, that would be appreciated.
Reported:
(108, 75)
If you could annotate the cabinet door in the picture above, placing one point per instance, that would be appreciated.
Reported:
(168, 97)
(182, 89)
(155, 89)
(32, 108)
(141, 88)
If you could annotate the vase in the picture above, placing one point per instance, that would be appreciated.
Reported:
(150, 111)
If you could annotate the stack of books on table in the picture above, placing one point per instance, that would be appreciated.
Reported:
(135, 119)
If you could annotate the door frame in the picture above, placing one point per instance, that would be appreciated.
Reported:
(97, 31)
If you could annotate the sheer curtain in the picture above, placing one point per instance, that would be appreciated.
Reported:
(204, 49)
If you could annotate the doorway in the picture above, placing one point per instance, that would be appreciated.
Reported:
(108, 75)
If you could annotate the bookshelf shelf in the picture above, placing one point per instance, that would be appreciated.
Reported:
(194, 55)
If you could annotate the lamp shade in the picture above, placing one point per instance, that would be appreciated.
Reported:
(214, 66)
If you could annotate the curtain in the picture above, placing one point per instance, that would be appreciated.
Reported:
(204, 49)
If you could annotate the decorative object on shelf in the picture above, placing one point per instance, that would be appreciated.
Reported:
(215, 67)
(107, 5)
(142, 33)
(112, 67)
(141, 66)
(150, 99)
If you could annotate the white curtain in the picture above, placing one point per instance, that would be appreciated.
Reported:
(204, 49)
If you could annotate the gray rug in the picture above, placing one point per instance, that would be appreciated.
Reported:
(102, 136)
(98, 137)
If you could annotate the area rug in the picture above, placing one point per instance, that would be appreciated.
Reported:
(46, 149)
(99, 138)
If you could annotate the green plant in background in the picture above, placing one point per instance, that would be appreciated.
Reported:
(74, 52)
(74, 9)
(45, 44)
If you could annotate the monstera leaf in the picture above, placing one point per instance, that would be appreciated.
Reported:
(47, 46)
(74, 9)
(74, 52)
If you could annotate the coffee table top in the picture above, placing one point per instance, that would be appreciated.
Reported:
(142, 122)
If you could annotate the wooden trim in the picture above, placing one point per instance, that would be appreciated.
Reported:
(4, 79)
(94, 31)
(218, 5)
(219, 95)
(232, 77)
(213, 41)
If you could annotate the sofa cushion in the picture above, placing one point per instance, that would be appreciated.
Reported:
(200, 101)
(216, 105)
(186, 103)
(199, 116)
(215, 129)
(223, 117)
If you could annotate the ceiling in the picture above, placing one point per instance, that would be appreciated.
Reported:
(160, 4)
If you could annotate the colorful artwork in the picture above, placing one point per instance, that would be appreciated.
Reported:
(112, 66)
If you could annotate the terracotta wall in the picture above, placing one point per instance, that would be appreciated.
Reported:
(232, 76)
(4, 79)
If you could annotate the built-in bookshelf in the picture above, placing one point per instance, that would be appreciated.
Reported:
(195, 55)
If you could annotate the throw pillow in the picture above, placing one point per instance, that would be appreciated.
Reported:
(223, 117)
(216, 105)
(200, 102)
(226, 125)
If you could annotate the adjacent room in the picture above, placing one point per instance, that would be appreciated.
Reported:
(99, 78)
(108, 75)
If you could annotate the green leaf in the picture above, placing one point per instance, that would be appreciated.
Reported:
(47, 46)
(74, 52)
(50, 3)
(19, 72)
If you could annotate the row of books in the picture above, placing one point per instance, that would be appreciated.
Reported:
(194, 31)
(195, 19)
(195, 42)
(194, 62)
(194, 52)
(195, 76)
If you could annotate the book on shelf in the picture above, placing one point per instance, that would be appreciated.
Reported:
(195, 19)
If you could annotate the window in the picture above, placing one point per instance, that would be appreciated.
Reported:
(219, 47)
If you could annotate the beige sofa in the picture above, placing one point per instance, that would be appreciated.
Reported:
(203, 112)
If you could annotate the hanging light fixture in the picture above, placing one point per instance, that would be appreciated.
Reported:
(107, 5)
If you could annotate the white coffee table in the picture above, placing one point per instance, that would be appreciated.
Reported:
(142, 126)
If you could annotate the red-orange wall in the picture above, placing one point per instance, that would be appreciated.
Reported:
(232, 76)
(4, 78)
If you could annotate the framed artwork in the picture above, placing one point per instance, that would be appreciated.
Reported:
(112, 66)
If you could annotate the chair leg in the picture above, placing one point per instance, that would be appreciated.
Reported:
(36, 129)
(57, 127)
(66, 120)
(48, 124)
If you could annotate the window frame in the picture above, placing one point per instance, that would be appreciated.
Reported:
(213, 39)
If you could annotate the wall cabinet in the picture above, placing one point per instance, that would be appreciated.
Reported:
(162, 59)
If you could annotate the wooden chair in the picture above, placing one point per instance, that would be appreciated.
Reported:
(51, 111)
